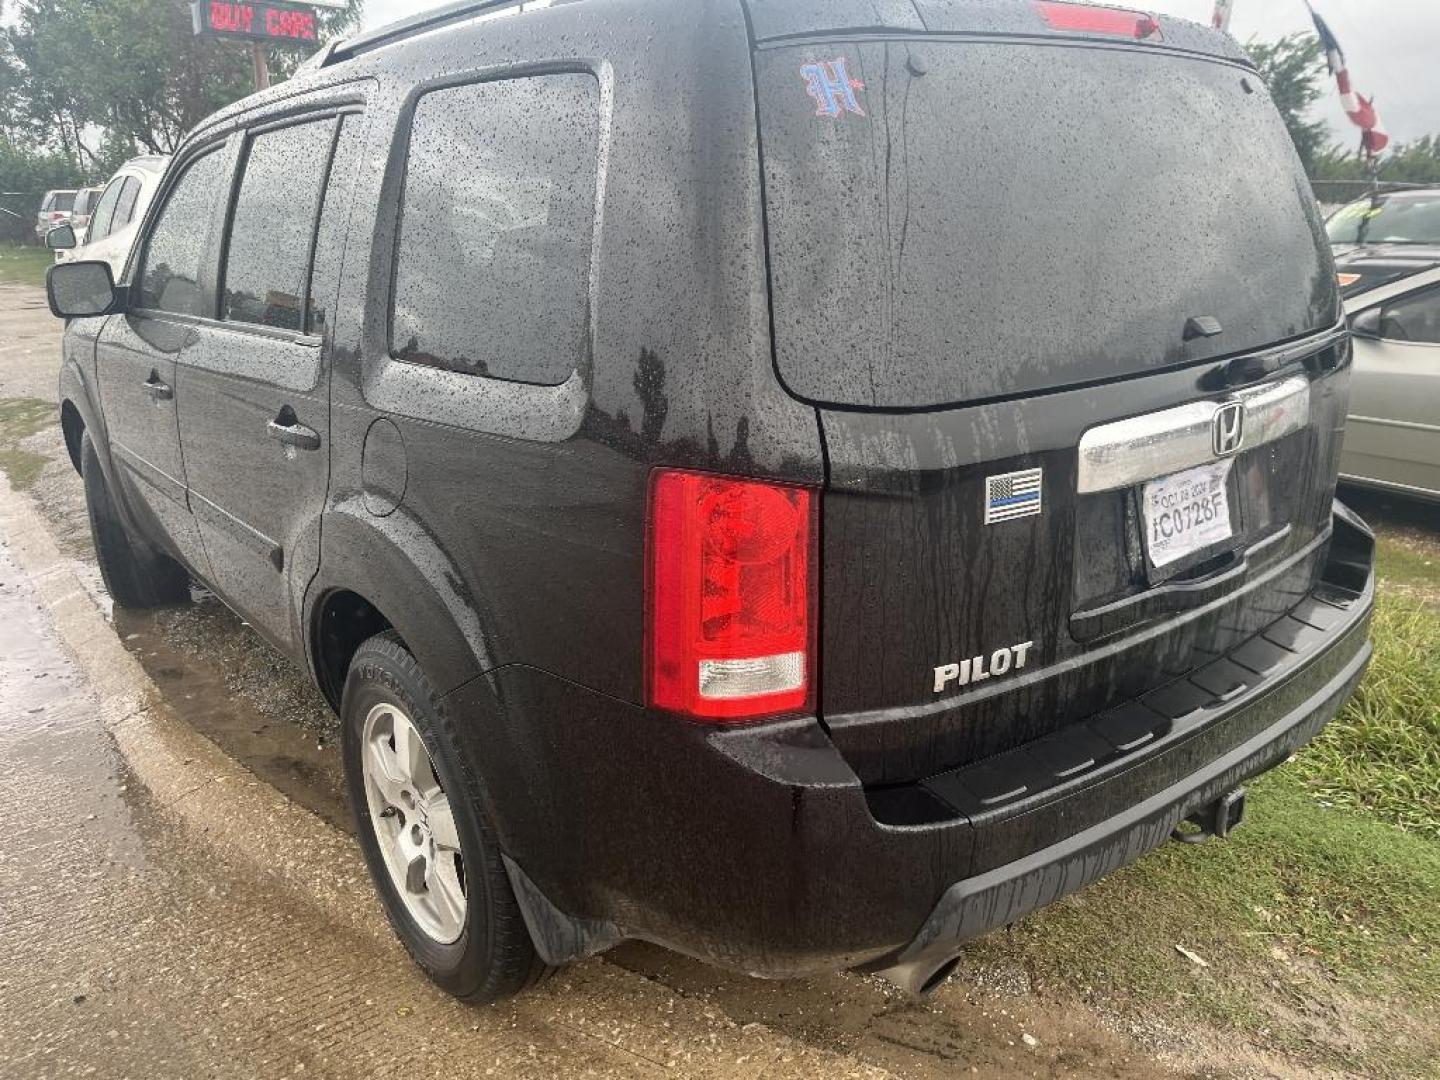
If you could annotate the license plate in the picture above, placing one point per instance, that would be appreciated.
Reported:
(1186, 513)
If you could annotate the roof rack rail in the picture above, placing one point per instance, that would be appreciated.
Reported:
(433, 19)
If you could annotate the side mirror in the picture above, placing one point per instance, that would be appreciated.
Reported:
(79, 290)
(1366, 324)
(60, 238)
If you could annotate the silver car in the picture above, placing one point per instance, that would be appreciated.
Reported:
(54, 211)
(1392, 440)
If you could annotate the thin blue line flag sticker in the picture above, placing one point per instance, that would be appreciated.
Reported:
(1013, 495)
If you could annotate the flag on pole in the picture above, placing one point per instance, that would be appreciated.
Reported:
(1221, 19)
(1359, 108)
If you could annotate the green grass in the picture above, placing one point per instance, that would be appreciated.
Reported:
(19, 419)
(1410, 566)
(1382, 754)
(1320, 918)
(1304, 910)
(24, 265)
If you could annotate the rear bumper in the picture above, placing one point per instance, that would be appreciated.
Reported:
(759, 849)
(999, 897)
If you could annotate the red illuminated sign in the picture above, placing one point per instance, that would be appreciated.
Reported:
(279, 24)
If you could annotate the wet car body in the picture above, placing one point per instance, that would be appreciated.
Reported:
(1387, 256)
(1392, 435)
(506, 529)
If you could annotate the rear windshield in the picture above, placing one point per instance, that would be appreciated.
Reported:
(1388, 219)
(62, 200)
(952, 222)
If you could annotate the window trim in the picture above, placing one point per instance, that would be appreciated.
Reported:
(158, 205)
(246, 139)
(396, 180)
(228, 137)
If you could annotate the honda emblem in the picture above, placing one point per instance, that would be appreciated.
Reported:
(1229, 429)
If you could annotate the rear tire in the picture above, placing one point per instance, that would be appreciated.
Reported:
(474, 945)
(136, 574)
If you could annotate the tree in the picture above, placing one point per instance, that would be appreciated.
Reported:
(1294, 70)
(97, 71)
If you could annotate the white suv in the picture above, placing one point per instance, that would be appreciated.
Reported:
(116, 218)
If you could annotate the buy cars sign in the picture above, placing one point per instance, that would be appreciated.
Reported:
(276, 23)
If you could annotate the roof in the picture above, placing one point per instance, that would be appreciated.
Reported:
(772, 19)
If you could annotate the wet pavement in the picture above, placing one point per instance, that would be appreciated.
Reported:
(132, 950)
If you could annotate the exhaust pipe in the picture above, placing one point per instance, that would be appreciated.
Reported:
(919, 977)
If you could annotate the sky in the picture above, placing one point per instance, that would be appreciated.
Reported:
(1392, 47)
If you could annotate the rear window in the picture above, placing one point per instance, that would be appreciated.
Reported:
(952, 222)
(1388, 219)
(61, 200)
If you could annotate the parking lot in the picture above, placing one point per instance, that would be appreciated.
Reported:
(185, 883)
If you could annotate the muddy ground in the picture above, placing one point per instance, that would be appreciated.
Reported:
(991, 1019)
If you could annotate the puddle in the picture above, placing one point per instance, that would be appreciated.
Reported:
(296, 760)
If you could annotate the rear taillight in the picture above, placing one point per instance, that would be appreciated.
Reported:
(56, 215)
(1085, 18)
(731, 596)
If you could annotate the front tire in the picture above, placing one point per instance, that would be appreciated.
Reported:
(427, 839)
(136, 574)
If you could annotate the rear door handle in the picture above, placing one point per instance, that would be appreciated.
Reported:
(158, 391)
(294, 434)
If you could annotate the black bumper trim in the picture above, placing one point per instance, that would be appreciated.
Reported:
(1001, 896)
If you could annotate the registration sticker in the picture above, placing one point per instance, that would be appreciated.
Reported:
(1187, 512)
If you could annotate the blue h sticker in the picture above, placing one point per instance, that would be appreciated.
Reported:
(830, 84)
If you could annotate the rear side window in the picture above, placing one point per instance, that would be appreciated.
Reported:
(1413, 318)
(269, 246)
(493, 261)
(170, 277)
(955, 221)
(100, 222)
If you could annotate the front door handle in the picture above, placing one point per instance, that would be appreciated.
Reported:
(288, 431)
(158, 391)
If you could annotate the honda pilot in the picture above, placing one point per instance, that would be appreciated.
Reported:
(801, 483)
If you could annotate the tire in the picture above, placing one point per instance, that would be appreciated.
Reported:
(484, 954)
(136, 574)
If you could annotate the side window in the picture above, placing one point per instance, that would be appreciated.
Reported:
(330, 239)
(105, 211)
(270, 233)
(170, 277)
(125, 209)
(493, 260)
(1413, 318)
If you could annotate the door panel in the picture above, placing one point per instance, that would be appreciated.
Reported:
(255, 498)
(1393, 432)
(137, 354)
(256, 418)
(136, 371)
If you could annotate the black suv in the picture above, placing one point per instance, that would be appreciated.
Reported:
(803, 483)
